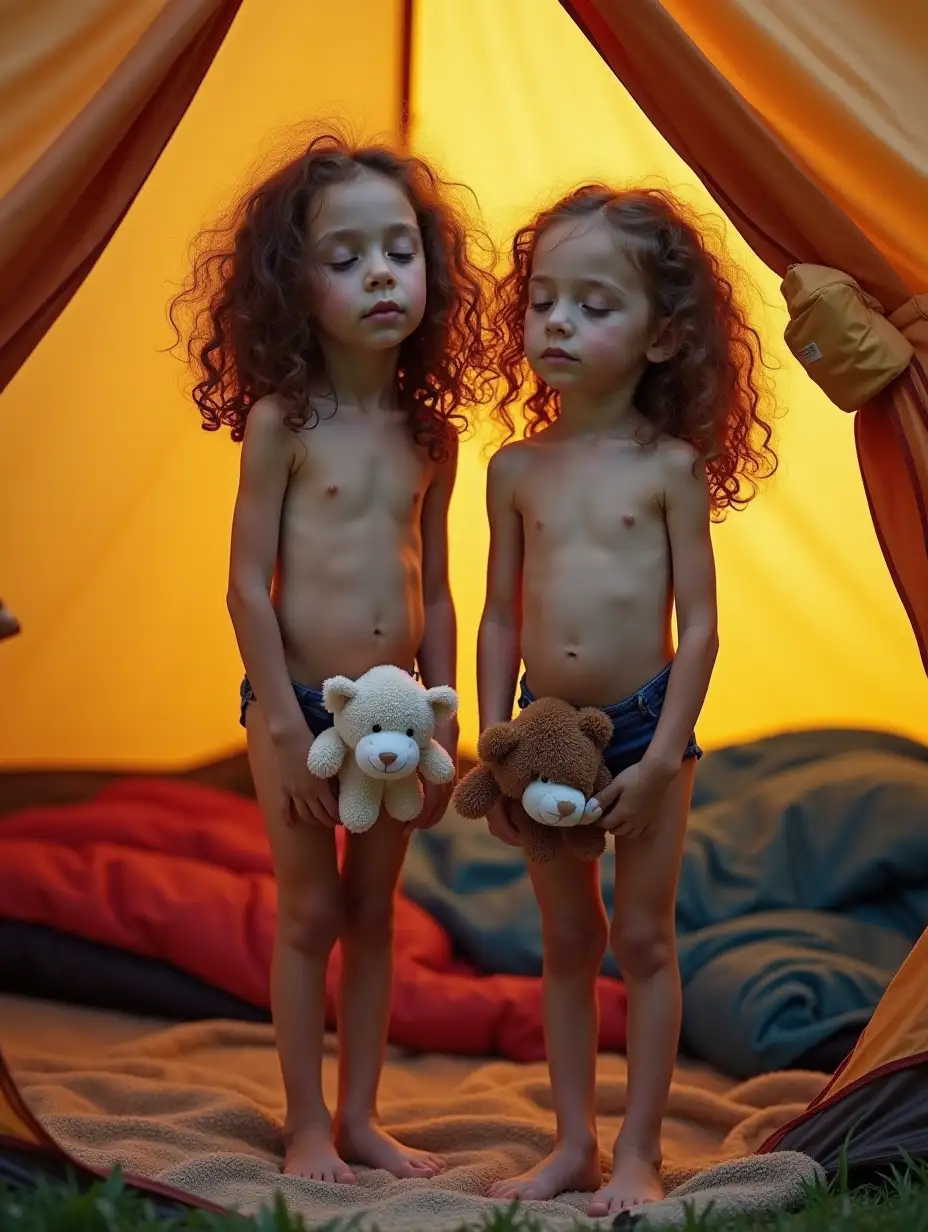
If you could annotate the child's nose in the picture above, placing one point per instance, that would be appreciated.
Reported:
(380, 276)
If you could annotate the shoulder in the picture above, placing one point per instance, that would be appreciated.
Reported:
(267, 437)
(680, 463)
(683, 478)
(509, 463)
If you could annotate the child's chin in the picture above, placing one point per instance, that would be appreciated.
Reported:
(557, 378)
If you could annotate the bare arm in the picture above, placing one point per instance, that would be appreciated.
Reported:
(498, 641)
(687, 514)
(437, 657)
(267, 457)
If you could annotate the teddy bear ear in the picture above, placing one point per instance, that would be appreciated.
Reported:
(497, 742)
(337, 692)
(444, 702)
(595, 725)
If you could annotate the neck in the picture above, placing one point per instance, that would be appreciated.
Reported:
(585, 414)
(365, 379)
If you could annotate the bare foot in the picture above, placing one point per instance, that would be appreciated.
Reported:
(368, 1144)
(635, 1180)
(569, 1167)
(311, 1154)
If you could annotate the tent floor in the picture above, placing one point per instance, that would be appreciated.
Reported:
(201, 1095)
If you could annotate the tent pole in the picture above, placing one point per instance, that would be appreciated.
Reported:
(405, 100)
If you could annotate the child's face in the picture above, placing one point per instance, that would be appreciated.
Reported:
(589, 325)
(367, 264)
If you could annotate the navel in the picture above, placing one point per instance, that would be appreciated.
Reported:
(539, 524)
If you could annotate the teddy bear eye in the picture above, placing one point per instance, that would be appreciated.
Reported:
(409, 732)
(376, 728)
(544, 780)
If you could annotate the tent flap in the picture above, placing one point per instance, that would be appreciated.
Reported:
(71, 176)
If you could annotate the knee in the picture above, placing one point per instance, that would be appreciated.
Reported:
(369, 918)
(309, 923)
(642, 946)
(574, 944)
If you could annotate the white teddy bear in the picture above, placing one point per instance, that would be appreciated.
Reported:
(387, 719)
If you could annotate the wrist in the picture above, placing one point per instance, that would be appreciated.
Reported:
(660, 767)
(286, 732)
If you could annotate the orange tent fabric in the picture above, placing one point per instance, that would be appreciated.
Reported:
(871, 1112)
(89, 96)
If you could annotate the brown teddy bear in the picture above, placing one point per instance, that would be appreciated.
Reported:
(548, 761)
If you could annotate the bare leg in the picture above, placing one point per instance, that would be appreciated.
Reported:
(372, 868)
(308, 919)
(644, 941)
(574, 935)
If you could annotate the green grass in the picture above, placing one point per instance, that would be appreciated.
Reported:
(901, 1205)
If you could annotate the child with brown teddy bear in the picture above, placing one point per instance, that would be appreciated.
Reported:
(643, 421)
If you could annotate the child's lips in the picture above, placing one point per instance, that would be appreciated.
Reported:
(386, 309)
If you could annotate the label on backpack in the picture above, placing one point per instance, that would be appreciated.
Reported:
(810, 353)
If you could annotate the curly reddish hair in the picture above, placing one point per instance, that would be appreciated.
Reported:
(249, 332)
(712, 392)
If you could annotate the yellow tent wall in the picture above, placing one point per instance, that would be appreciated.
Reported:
(115, 506)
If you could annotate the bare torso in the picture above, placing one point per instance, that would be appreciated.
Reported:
(597, 582)
(348, 587)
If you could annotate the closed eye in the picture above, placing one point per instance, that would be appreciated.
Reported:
(540, 305)
(342, 265)
(403, 257)
(596, 312)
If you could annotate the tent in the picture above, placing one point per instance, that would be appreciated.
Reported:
(872, 1112)
(115, 507)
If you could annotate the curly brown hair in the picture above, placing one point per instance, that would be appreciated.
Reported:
(712, 391)
(243, 312)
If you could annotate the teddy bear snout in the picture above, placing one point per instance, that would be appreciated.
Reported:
(553, 804)
(387, 755)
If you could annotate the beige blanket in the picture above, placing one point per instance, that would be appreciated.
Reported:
(199, 1107)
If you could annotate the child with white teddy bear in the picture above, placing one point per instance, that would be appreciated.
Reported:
(333, 332)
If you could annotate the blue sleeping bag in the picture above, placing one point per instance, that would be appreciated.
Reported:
(803, 887)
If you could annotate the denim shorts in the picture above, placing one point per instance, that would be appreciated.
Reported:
(634, 722)
(317, 717)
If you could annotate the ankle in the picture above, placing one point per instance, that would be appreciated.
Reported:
(350, 1120)
(579, 1140)
(643, 1148)
(308, 1121)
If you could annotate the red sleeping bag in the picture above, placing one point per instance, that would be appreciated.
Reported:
(182, 873)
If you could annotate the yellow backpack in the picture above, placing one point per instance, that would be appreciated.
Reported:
(841, 336)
